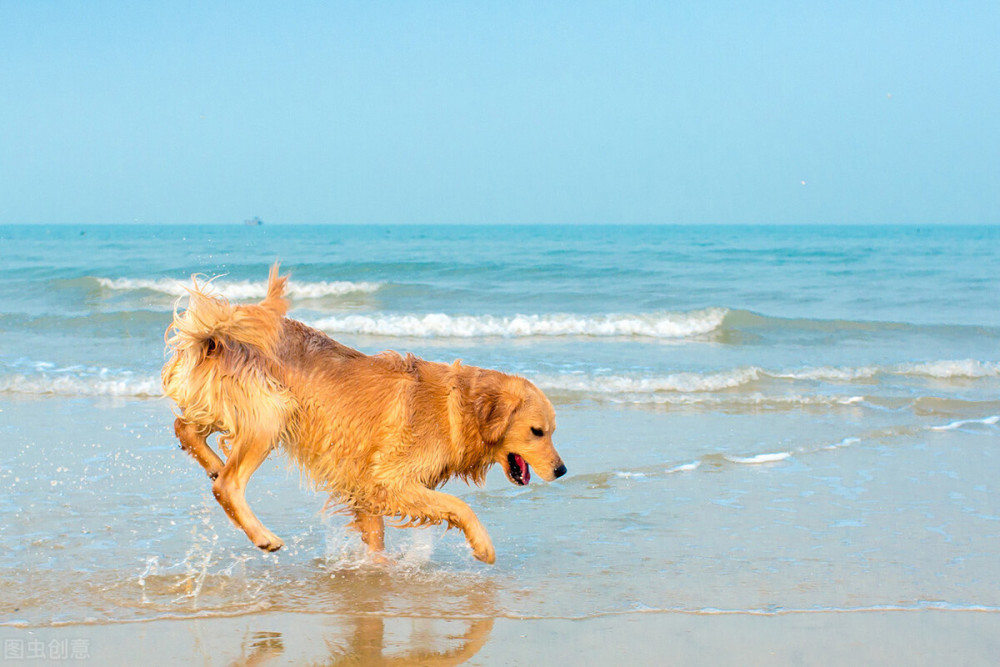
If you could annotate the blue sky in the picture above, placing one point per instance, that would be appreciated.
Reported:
(502, 112)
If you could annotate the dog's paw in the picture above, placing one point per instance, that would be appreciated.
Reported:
(269, 543)
(379, 558)
(485, 552)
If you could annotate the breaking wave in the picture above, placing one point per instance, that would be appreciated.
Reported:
(47, 379)
(751, 386)
(440, 325)
(941, 370)
(731, 326)
(673, 383)
(944, 370)
(749, 377)
(242, 289)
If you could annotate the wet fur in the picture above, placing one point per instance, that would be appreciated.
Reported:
(378, 433)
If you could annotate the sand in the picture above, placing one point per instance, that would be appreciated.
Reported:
(924, 637)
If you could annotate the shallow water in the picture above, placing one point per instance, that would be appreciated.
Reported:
(754, 512)
(755, 421)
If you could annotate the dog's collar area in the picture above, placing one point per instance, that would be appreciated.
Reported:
(518, 469)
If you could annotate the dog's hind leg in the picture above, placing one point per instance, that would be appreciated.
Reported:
(193, 442)
(246, 455)
(372, 529)
(422, 504)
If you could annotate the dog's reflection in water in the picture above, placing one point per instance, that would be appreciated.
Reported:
(367, 643)
(262, 647)
(377, 616)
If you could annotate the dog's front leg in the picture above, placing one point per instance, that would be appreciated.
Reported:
(419, 502)
(193, 442)
(246, 455)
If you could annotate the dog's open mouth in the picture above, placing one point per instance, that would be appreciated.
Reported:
(518, 470)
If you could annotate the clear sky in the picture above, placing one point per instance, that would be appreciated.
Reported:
(500, 112)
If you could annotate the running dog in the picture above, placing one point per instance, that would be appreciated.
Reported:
(378, 433)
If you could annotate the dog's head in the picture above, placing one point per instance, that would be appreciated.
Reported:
(516, 421)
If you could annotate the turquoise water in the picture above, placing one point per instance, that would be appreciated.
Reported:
(635, 314)
(754, 419)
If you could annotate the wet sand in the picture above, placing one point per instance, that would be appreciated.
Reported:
(923, 637)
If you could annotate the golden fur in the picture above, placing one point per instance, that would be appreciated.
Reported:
(378, 433)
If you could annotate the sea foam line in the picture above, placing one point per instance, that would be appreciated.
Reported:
(717, 381)
(441, 325)
(759, 458)
(963, 368)
(942, 369)
(243, 289)
(752, 386)
(674, 382)
(988, 421)
(72, 385)
(684, 389)
(45, 377)
(515, 615)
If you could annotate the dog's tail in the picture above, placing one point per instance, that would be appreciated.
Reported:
(211, 321)
(219, 373)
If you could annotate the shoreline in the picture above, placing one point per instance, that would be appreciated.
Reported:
(211, 615)
(894, 636)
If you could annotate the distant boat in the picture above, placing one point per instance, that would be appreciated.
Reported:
(253, 222)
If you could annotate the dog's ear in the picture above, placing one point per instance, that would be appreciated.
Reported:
(495, 406)
(494, 412)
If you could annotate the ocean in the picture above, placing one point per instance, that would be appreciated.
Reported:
(756, 421)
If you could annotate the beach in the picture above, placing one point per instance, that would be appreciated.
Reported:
(889, 637)
(782, 448)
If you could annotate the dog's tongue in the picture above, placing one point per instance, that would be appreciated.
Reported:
(525, 470)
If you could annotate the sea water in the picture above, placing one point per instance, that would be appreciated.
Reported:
(755, 420)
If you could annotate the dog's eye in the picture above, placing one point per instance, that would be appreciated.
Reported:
(537, 432)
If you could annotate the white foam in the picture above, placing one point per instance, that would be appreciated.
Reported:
(727, 388)
(663, 325)
(752, 385)
(846, 442)
(829, 373)
(964, 368)
(754, 400)
(630, 475)
(685, 467)
(123, 385)
(942, 369)
(988, 421)
(675, 382)
(438, 324)
(760, 458)
(244, 289)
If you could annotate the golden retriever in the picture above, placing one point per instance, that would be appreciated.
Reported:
(378, 433)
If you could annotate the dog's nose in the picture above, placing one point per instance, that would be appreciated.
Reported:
(560, 471)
